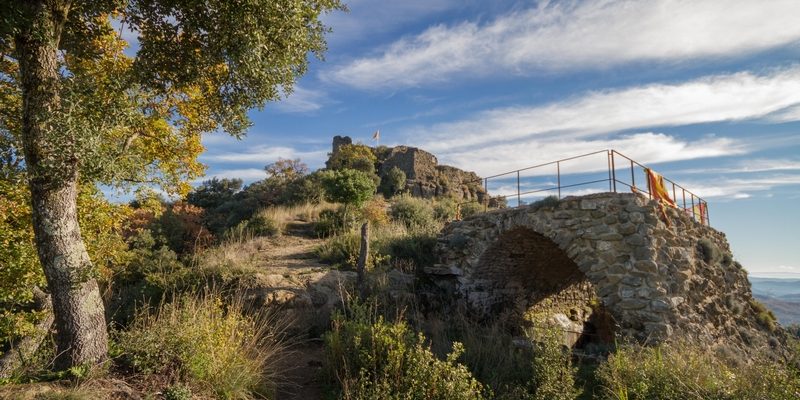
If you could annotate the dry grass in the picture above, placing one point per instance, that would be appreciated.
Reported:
(215, 345)
(283, 215)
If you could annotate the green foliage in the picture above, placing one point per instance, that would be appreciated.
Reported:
(415, 248)
(553, 374)
(208, 344)
(178, 392)
(547, 202)
(413, 212)
(353, 156)
(348, 186)
(471, 208)
(764, 315)
(393, 183)
(681, 371)
(262, 225)
(445, 210)
(708, 251)
(369, 358)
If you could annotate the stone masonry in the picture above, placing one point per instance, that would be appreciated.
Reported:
(604, 263)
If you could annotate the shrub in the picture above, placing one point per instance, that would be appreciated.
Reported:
(553, 374)
(393, 183)
(413, 212)
(547, 202)
(214, 348)
(343, 250)
(416, 247)
(331, 222)
(374, 211)
(764, 315)
(263, 225)
(445, 210)
(471, 208)
(708, 251)
(369, 358)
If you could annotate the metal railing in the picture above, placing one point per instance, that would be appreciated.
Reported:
(596, 172)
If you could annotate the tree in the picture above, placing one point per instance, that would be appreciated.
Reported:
(353, 156)
(81, 110)
(349, 187)
(286, 170)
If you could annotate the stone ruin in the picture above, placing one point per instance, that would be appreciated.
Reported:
(602, 268)
(424, 176)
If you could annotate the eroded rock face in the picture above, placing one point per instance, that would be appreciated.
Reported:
(609, 253)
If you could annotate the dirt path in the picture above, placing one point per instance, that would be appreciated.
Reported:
(292, 256)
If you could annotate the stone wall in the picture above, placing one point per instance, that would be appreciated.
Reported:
(605, 254)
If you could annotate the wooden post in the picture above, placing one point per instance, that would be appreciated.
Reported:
(362, 259)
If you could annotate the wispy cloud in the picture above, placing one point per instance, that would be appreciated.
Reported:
(648, 148)
(577, 35)
(302, 100)
(742, 188)
(718, 98)
(245, 174)
(266, 154)
(749, 166)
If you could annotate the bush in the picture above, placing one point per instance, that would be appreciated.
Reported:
(413, 212)
(369, 358)
(342, 250)
(349, 187)
(331, 222)
(708, 251)
(553, 374)
(374, 211)
(445, 210)
(262, 225)
(680, 371)
(764, 315)
(214, 348)
(393, 183)
(467, 210)
(353, 156)
(416, 247)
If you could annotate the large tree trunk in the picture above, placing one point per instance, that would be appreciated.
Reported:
(52, 164)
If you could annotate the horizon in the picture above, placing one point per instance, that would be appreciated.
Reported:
(705, 93)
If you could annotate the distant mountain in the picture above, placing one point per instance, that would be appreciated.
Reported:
(782, 296)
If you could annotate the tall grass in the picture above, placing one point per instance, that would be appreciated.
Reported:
(370, 358)
(217, 347)
(685, 371)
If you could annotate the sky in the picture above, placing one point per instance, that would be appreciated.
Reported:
(707, 93)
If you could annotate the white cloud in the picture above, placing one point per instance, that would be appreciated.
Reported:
(741, 188)
(574, 35)
(245, 174)
(647, 148)
(266, 154)
(750, 166)
(368, 18)
(738, 96)
(302, 100)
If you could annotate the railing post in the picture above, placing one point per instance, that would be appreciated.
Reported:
(674, 196)
(519, 199)
(633, 176)
(613, 171)
(693, 216)
(488, 198)
(708, 220)
(558, 172)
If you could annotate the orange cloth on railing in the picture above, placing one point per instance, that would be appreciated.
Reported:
(699, 211)
(658, 189)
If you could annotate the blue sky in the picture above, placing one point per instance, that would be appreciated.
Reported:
(706, 92)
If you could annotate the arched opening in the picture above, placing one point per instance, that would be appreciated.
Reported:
(527, 274)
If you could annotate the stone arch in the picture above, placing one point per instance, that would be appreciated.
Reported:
(531, 275)
(604, 237)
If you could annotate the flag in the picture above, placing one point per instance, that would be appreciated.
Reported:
(376, 135)
(658, 189)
